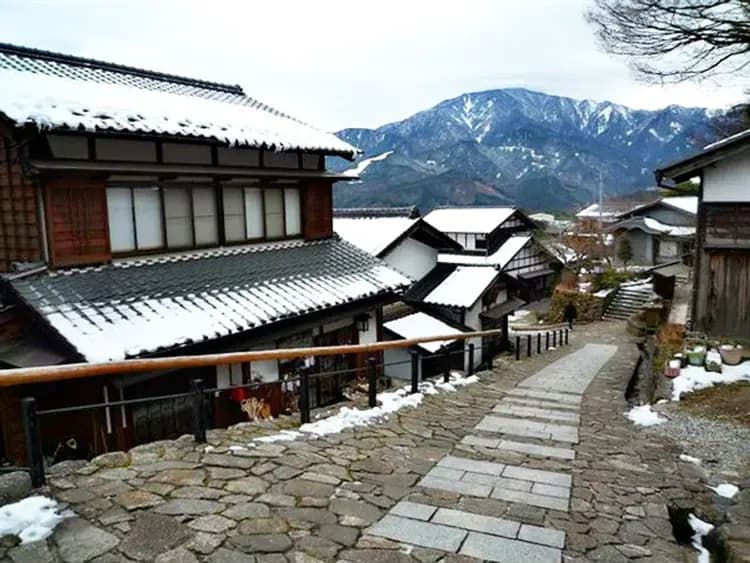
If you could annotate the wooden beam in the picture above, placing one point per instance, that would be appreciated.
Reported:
(102, 167)
(48, 374)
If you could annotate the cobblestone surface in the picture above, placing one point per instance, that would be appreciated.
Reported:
(321, 500)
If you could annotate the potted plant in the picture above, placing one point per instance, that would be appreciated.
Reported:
(713, 361)
(731, 353)
(696, 355)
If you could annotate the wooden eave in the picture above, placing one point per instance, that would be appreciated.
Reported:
(683, 170)
(47, 167)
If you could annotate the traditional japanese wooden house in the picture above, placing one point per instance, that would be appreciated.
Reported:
(144, 214)
(721, 294)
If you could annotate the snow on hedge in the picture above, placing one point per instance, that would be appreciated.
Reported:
(31, 519)
(644, 416)
(694, 378)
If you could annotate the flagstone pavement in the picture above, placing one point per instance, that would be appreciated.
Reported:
(535, 463)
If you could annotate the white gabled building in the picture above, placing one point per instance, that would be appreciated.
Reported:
(398, 236)
(479, 230)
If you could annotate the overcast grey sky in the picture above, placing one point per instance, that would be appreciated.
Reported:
(347, 63)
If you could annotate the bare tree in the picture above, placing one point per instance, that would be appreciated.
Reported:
(676, 40)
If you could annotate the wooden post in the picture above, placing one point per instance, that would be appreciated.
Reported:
(554, 339)
(372, 386)
(518, 348)
(33, 441)
(199, 411)
(538, 342)
(528, 345)
(546, 340)
(446, 365)
(414, 371)
(304, 397)
(566, 336)
(471, 360)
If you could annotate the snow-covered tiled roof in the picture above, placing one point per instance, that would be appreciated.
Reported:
(653, 226)
(462, 287)
(419, 325)
(481, 220)
(498, 259)
(687, 203)
(60, 92)
(135, 307)
(372, 234)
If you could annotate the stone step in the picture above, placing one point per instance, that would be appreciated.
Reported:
(512, 483)
(532, 412)
(541, 403)
(552, 396)
(528, 428)
(526, 448)
(466, 533)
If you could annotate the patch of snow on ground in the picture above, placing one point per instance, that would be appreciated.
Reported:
(390, 402)
(644, 416)
(701, 529)
(31, 519)
(726, 490)
(693, 378)
(690, 459)
(283, 436)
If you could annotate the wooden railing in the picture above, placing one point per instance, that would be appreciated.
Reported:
(198, 393)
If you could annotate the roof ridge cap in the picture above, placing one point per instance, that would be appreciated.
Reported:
(75, 60)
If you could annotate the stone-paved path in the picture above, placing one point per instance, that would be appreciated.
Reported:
(522, 466)
(538, 418)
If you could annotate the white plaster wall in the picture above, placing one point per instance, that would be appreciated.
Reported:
(413, 258)
(370, 336)
(477, 342)
(401, 371)
(472, 319)
(467, 240)
(728, 180)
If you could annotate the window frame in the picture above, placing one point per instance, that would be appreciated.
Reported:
(218, 193)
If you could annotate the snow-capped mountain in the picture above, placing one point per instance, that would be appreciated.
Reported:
(519, 147)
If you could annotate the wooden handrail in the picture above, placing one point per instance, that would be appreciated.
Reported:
(48, 374)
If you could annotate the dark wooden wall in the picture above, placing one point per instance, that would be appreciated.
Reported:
(317, 210)
(20, 238)
(723, 293)
(77, 227)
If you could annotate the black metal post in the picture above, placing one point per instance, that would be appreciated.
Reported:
(518, 348)
(546, 340)
(538, 342)
(471, 360)
(199, 411)
(561, 337)
(446, 365)
(372, 383)
(33, 441)
(528, 345)
(554, 339)
(566, 336)
(304, 397)
(414, 371)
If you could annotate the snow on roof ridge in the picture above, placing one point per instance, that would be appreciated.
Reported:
(420, 324)
(462, 287)
(372, 234)
(54, 102)
(481, 220)
(74, 60)
(737, 136)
